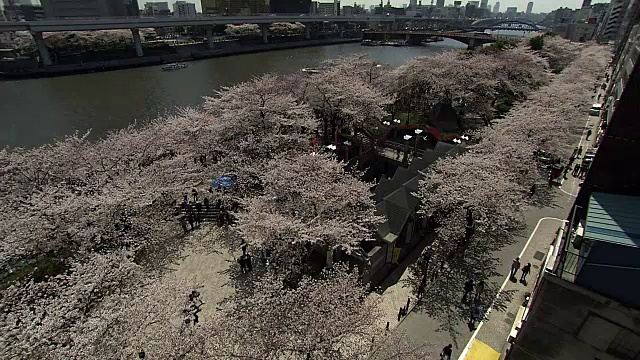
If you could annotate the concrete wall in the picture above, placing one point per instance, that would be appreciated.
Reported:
(567, 322)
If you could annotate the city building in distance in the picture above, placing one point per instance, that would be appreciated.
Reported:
(89, 8)
(511, 12)
(158, 8)
(184, 9)
(290, 6)
(236, 7)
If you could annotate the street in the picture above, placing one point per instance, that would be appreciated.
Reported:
(489, 340)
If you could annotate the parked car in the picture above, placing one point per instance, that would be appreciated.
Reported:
(595, 109)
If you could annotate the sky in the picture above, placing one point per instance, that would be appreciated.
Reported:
(538, 5)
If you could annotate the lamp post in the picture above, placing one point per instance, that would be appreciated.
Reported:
(406, 153)
(347, 144)
(417, 132)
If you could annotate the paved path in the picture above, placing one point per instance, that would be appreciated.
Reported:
(489, 340)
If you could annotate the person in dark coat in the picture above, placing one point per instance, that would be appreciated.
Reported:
(525, 271)
(191, 220)
(446, 352)
(183, 223)
(468, 288)
(198, 214)
(589, 132)
(576, 169)
(479, 290)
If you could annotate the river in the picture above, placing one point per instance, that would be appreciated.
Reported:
(36, 111)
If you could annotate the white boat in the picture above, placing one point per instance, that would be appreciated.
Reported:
(174, 66)
(310, 71)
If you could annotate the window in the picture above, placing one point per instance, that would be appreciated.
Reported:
(626, 345)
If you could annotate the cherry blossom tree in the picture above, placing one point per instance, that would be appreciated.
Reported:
(307, 200)
(344, 98)
(477, 198)
(326, 318)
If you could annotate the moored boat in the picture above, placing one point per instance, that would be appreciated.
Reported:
(174, 66)
(370, 43)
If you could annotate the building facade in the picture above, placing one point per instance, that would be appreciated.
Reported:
(184, 9)
(511, 12)
(159, 8)
(235, 7)
(496, 7)
(89, 8)
(290, 6)
(614, 17)
(585, 303)
(327, 9)
(529, 8)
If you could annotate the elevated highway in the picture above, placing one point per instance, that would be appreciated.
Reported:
(83, 24)
(472, 39)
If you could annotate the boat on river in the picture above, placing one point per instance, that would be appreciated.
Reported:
(174, 66)
(310, 71)
(394, 43)
(370, 43)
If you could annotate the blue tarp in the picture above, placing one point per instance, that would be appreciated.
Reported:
(225, 181)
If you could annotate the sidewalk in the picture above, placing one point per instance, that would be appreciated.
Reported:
(489, 340)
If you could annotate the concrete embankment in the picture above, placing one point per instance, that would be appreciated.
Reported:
(185, 54)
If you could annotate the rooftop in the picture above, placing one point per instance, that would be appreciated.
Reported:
(613, 219)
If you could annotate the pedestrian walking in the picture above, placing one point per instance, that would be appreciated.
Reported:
(479, 290)
(515, 266)
(468, 288)
(579, 151)
(446, 352)
(525, 271)
(589, 132)
(583, 170)
(185, 199)
(400, 314)
(576, 170)
(198, 212)
(183, 223)
(191, 220)
(194, 193)
(532, 190)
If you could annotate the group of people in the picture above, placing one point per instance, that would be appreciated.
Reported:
(515, 266)
(191, 213)
(579, 169)
(476, 309)
(192, 308)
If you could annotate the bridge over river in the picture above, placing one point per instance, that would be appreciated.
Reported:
(472, 39)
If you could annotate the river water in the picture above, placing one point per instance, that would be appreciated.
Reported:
(36, 111)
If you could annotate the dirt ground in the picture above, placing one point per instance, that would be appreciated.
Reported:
(205, 266)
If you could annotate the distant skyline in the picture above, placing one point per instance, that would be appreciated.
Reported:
(539, 6)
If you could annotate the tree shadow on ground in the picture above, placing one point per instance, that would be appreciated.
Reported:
(395, 275)
(440, 285)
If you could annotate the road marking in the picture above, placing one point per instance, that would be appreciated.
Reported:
(475, 333)
(574, 195)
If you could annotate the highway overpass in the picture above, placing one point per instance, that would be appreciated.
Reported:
(78, 24)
